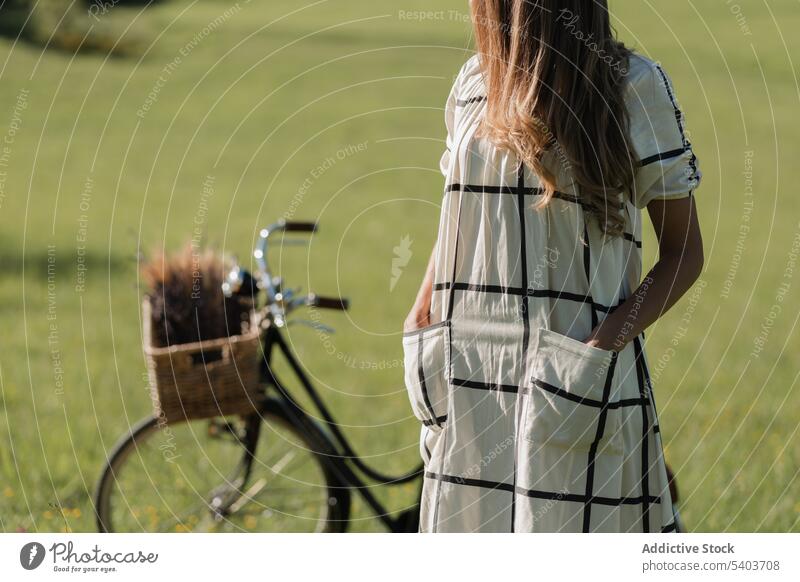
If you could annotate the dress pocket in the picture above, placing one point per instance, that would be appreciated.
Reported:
(426, 356)
(572, 395)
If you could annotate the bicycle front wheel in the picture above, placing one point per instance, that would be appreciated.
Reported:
(254, 474)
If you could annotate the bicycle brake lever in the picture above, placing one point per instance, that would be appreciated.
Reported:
(313, 325)
(290, 294)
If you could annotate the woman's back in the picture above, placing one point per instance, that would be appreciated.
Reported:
(482, 205)
(526, 424)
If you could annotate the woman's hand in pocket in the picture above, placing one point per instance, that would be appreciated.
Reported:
(418, 317)
(601, 338)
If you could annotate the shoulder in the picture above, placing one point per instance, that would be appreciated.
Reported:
(644, 78)
(470, 69)
(657, 125)
(650, 99)
(649, 86)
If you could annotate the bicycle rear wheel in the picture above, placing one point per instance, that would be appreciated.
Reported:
(200, 476)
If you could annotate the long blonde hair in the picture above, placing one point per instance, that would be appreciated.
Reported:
(554, 78)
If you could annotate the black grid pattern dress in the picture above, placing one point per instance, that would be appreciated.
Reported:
(524, 427)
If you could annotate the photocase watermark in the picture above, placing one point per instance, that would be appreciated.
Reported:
(53, 342)
(475, 469)
(633, 313)
(683, 329)
(555, 146)
(32, 555)
(169, 69)
(543, 510)
(689, 170)
(320, 170)
(330, 348)
(168, 447)
(100, 8)
(6, 146)
(741, 19)
(402, 256)
(571, 23)
(760, 341)
(82, 235)
(547, 261)
(434, 16)
(744, 226)
(421, 15)
(161, 81)
(628, 326)
(206, 194)
(66, 559)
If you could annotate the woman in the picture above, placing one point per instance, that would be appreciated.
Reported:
(525, 349)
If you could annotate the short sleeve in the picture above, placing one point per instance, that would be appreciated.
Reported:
(472, 66)
(667, 166)
(450, 122)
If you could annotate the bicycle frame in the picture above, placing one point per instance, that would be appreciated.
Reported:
(344, 469)
(337, 452)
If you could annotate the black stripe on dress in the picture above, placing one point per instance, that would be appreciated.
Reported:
(663, 156)
(538, 293)
(437, 420)
(679, 119)
(536, 493)
(645, 460)
(601, 427)
(422, 384)
(465, 102)
(587, 262)
(526, 330)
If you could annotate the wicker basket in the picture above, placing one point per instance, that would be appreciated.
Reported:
(203, 379)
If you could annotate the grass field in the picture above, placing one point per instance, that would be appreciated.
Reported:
(333, 111)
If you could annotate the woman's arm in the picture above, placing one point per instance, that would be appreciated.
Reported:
(679, 265)
(420, 315)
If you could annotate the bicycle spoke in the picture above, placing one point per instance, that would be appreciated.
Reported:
(201, 486)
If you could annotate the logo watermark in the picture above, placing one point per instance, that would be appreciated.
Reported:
(748, 206)
(171, 67)
(571, 23)
(67, 559)
(402, 256)
(31, 555)
(320, 170)
(7, 143)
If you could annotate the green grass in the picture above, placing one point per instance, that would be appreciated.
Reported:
(265, 99)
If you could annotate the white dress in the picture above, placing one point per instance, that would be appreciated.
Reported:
(524, 427)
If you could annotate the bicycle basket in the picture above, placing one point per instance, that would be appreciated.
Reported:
(203, 379)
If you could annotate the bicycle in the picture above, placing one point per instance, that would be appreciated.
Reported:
(312, 495)
(277, 469)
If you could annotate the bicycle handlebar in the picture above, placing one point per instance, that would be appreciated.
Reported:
(309, 227)
(281, 303)
(339, 303)
(260, 253)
